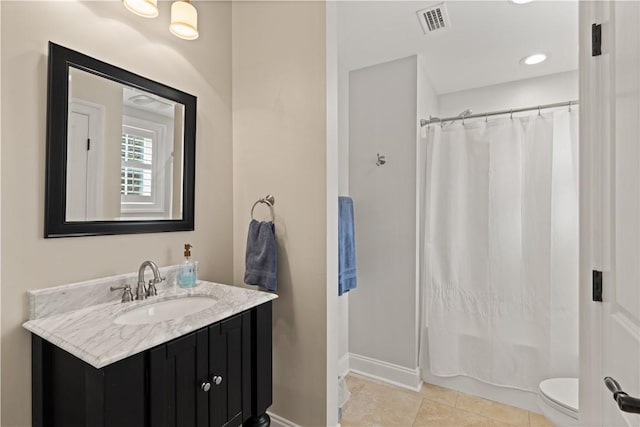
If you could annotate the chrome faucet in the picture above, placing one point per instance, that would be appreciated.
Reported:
(143, 292)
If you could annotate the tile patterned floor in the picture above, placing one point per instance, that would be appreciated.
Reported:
(376, 404)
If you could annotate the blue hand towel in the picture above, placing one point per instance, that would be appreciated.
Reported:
(346, 246)
(261, 262)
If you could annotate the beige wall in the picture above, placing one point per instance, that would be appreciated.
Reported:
(1, 109)
(107, 31)
(279, 147)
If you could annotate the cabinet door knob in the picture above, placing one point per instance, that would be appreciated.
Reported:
(205, 386)
(217, 379)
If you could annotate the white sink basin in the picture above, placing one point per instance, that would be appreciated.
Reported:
(165, 310)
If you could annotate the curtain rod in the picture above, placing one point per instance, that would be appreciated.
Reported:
(424, 122)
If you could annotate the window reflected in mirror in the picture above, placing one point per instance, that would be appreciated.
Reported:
(124, 152)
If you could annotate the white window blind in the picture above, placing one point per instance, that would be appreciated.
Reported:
(136, 174)
(143, 163)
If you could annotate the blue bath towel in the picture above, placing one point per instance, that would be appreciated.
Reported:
(261, 262)
(346, 246)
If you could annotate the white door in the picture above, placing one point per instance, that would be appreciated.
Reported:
(84, 161)
(77, 162)
(610, 212)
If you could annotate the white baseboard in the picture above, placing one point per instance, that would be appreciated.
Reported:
(343, 365)
(278, 421)
(508, 396)
(386, 372)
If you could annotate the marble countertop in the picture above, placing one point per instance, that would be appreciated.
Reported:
(91, 335)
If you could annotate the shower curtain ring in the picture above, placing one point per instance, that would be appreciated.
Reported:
(486, 117)
(511, 114)
(539, 111)
(569, 106)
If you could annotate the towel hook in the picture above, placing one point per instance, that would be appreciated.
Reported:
(381, 160)
(268, 200)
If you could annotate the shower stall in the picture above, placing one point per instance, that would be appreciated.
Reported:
(466, 234)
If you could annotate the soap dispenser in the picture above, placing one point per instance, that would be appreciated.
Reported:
(187, 273)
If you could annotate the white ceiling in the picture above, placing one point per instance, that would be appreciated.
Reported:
(484, 45)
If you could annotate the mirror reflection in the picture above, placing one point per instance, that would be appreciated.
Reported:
(124, 152)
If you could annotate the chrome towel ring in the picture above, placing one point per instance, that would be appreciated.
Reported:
(268, 200)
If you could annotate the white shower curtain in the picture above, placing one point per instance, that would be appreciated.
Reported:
(500, 255)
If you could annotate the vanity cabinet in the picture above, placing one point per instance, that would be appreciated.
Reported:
(197, 380)
(219, 375)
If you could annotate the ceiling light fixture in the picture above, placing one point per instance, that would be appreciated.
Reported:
(144, 8)
(521, 1)
(184, 20)
(534, 59)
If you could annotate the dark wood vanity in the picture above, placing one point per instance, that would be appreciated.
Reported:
(219, 375)
(207, 368)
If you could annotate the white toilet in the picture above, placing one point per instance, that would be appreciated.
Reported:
(558, 401)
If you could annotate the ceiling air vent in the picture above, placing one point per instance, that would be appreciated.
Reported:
(434, 18)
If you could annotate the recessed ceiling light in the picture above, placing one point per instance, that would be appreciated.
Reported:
(142, 99)
(521, 1)
(536, 58)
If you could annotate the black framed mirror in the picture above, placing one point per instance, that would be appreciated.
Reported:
(120, 150)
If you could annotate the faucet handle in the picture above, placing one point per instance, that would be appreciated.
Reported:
(127, 296)
(151, 289)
